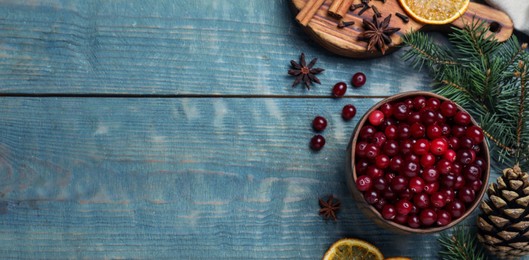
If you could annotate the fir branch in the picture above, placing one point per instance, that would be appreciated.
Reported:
(522, 76)
(460, 245)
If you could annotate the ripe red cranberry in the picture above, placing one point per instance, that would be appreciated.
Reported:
(445, 130)
(414, 117)
(428, 217)
(372, 151)
(399, 183)
(443, 218)
(438, 199)
(391, 132)
(434, 131)
(430, 174)
(472, 172)
(450, 155)
(409, 103)
(361, 149)
(374, 172)
(466, 195)
(391, 148)
(453, 142)
(376, 117)
(361, 166)
(476, 185)
(448, 180)
(401, 111)
(411, 158)
(339, 89)
(406, 146)
(450, 195)
(387, 109)
(403, 131)
(421, 147)
(481, 163)
(431, 187)
(448, 108)
(401, 219)
(371, 196)
(416, 184)
(389, 176)
(462, 118)
(319, 123)
(458, 130)
(317, 142)
(382, 161)
(456, 208)
(358, 79)
(367, 132)
(421, 200)
(419, 102)
(378, 139)
(389, 194)
(427, 160)
(395, 164)
(433, 103)
(410, 169)
(380, 184)
(417, 130)
(428, 116)
(364, 183)
(459, 182)
(413, 221)
(444, 166)
(475, 133)
(403, 207)
(406, 194)
(380, 203)
(465, 142)
(466, 156)
(348, 112)
(438, 146)
(389, 211)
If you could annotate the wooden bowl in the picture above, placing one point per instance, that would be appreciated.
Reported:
(370, 211)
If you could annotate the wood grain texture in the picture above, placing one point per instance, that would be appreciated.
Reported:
(199, 47)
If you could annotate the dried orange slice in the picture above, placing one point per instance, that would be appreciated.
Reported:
(435, 11)
(351, 248)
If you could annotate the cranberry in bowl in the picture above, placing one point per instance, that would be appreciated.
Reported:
(417, 163)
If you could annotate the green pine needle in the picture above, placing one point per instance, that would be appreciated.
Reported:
(460, 245)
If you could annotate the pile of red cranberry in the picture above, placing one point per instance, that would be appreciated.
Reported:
(419, 161)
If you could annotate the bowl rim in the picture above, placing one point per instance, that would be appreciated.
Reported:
(351, 172)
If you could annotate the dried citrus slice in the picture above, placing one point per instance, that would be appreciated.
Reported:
(350, 248)
(435, 11)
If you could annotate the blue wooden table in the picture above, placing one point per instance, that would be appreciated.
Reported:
(169, 129)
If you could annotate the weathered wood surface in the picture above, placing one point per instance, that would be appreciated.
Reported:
(168, 129)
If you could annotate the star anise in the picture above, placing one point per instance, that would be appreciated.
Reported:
(304, 73)
(377, 34)
(329, 208)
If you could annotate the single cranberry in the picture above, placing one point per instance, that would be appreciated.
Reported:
(416, 184)
(417, 130)
(372, 151)
(421, 200)
(413, 221)
(419, 102)
(421, 147)
(448, 108)
(438, 199)
(459, 182)
(462, 118)
(395, 164)
(371, 196)
(380, 203)
(410, 169)
(431, 187)
(443, 166)
(434, 131)
(472, 172)
(457, 168)
(399, 183)
(361, 149)
(401, 219)
(414, 117)
(465, 142)
(456, 208)
(428, 217)
(481, 163)
(382, 161)
(443, 218)
(380, 184)
(412, 158)
(403, 131)
(445, 130)
(339, 89)
(378, 139)
(409, 103)
(450, 155)
(458, 130)
(439, 146)
(475, 133)
(374, 172)
(433, 103)
(317, 142)
(476, 185)
(427, 160)
(430, 174)
(450, 195)
(428, 116)
(453, 142)
(364, 183)
(348, 112)
(406, 146)
(389, 211)
(403, 206)
(319, 123)
(367, 132)
(467, 195)
(391, 132)
(387, 109)
(361, 166)
(448, 181)
(440, 119)
(401, 111)
(391, 148)
(358, 79)
(376, 117)
(406, 194)
(466, 156)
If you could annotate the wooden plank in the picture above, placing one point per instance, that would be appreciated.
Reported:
(178, 178)
(235, 47)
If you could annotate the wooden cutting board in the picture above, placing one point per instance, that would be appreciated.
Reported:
(322, 27)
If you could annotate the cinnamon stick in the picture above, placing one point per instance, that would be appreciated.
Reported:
(335, 6)
(308, 11)
(344, 7)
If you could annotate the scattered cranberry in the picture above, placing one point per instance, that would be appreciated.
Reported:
(348, 112)
(376, 117)
(339, 89)
(359, 79)
(317, 142)
(319, 123)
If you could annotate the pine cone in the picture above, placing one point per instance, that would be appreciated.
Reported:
(503, 225)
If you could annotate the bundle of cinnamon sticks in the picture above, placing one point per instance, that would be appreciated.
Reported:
(337, 9)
